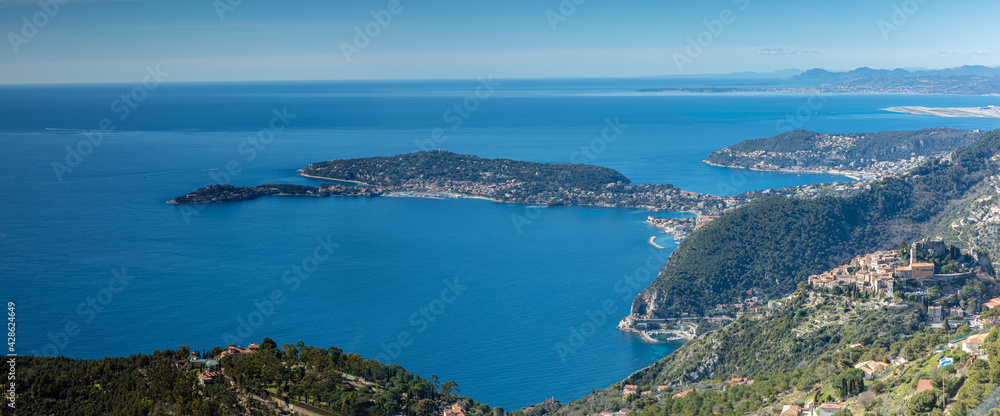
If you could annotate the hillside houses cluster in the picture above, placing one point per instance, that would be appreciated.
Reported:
(877, 272)
(751, 304)
(210, 372)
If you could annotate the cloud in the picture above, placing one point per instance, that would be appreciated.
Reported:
(785, 51)
(968, 54)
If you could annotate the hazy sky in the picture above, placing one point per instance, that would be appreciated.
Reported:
(199, 40)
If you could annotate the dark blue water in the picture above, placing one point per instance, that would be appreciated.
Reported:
(514, 303)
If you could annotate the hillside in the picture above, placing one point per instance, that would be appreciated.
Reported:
(810, 150)
(440, 165)
(772, 244)
(264, 381)
(975, 224)
(811, 351)
(799, 349)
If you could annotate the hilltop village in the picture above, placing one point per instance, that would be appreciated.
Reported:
(932, 272)
(945, 366)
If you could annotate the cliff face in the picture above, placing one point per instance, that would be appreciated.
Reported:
(984, 262)
(645, 303)
(643, 307)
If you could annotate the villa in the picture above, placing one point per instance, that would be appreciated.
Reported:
(973, 343)
(209, 378)
(684, 393)
(238, 351)
(455, 410)
(791, 410)
(871, 368)
(629, 389)
(829, 409)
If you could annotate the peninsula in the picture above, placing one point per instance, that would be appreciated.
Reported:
(229, 193)
(440, 174)
(856, 155)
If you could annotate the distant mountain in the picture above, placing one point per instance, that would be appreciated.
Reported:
(865, 73)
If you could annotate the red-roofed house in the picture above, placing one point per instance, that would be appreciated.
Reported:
(973, 343)
(237, 351)
(455, 410)
(629, 389)
(737, 381)
(791, 410)
(829, 409)
(684, 393)
(208, 378)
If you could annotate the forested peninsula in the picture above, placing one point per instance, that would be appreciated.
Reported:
(440, 174)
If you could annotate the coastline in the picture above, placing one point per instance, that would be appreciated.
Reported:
(948, 112)
(647, 338)
(854, 176)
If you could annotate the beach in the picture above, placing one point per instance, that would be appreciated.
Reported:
(980, 112)
(853, 175)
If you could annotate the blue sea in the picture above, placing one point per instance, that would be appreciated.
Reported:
(515, 303)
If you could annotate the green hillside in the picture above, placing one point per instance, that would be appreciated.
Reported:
(440, 165)
(812, 150)
(268, 382)
(772, 244)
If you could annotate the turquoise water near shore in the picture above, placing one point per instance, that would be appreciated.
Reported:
(509, 301)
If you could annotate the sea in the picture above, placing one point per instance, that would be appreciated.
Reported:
(515, 303)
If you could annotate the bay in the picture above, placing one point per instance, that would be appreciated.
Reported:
(530, 320)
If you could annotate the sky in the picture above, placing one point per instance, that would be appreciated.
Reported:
(80, 41)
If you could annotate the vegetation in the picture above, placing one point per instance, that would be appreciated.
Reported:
(857, 151)
(807, 326)
(772, 244)
(850, 382)
(975, 224)
(440, 165)
(263, 383)
(807, 352)
(445, 174)
(229, 193)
